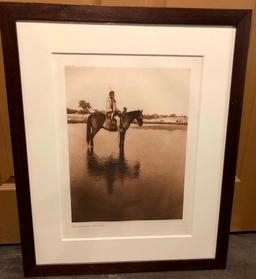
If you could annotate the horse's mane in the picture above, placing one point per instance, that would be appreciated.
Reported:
(133, 111)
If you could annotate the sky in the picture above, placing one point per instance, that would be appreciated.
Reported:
(155, 90)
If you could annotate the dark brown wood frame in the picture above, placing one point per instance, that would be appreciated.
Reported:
(12, 12)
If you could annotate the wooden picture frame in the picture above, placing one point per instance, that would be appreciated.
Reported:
(11, 13)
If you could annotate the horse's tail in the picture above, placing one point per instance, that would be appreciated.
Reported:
(89, 128)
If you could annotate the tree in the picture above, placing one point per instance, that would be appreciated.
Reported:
(70, 111)
(85, 106)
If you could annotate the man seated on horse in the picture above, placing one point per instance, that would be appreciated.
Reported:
(112, 111)
(111, 108)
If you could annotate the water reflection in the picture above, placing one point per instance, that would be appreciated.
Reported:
(112, 168)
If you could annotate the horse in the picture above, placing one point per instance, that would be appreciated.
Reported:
(97, 119)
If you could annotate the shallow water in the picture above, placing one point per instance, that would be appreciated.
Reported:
(143, 183)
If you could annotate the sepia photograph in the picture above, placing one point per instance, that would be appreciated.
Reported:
(127, 131)
(133, 144)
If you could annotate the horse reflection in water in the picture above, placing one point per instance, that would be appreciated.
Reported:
(112, 168)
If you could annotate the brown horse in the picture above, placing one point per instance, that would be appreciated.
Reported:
(97, 119)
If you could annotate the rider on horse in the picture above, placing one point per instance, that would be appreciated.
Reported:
(112, 111)
(111, 108)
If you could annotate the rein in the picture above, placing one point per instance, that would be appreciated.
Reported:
(131, 115)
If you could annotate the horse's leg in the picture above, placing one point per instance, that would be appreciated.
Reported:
(94, 132)
(122, 137)
(88, 133)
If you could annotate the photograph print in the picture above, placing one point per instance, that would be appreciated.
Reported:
(127, 130)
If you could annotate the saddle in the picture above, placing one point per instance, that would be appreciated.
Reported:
(110, 124)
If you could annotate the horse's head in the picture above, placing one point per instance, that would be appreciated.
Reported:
(139, 117)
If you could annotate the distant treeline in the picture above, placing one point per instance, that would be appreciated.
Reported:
(85, 107)
(71, 111)
(145, 116)
(157, 116)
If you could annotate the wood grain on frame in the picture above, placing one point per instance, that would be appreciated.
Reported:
(243, 218)
(6, 164)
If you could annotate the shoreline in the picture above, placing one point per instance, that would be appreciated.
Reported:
(144, 122)
(74, 119)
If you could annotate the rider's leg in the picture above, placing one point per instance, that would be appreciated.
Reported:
(109, 115)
